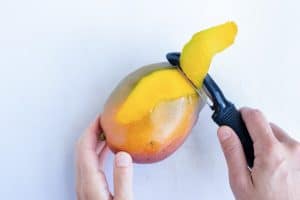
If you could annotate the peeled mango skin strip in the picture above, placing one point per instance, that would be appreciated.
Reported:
(157, 87)
(197, 54)
(169, 84)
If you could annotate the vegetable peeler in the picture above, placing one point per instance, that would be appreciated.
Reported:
(224, 112)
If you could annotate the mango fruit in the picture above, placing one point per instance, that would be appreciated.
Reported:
(152, 110)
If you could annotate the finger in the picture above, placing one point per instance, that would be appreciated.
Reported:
(100, 146)
(258, 127)
(89, 139)
(281, 135)
(91, 181)
(239, 174)
(95, 181)
(123, 176)
(87, 158)
(102, 156)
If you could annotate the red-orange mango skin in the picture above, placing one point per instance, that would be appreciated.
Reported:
(155, 136)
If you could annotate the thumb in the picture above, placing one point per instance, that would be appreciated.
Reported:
(239, 174)
(123, 177)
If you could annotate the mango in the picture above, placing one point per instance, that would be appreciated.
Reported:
(197, 54)
(151, 111)
(165, 109)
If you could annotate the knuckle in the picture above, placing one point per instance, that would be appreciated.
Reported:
(274, 156)
(230, 146)
(277, 159)
(270, 148)
(254, 114)
(284, 170)
(280, 169)
(296, 149)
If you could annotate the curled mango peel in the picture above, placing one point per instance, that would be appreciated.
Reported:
(169, 84)
(197, 54)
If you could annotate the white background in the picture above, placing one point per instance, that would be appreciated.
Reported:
(60, 59)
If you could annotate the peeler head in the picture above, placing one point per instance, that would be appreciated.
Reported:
(173, 58)
(225, 113)
(210, 88)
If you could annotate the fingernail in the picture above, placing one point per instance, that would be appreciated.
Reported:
(224, 135)
(123, 159)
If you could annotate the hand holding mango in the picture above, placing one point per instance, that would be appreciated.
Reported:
(152, 110)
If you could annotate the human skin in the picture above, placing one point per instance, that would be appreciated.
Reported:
(91, 181)
(276, 171)
(274, 176)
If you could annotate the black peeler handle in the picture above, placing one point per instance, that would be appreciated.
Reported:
(227, 114)
(232, 117)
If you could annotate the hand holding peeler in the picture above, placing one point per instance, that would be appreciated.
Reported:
(224, 112)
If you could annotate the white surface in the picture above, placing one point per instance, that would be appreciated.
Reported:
(60, 59)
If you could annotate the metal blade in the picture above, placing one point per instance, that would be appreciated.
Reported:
(201, 92)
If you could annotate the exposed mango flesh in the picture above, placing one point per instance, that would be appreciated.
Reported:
(152, 110)
(157, 134)
(197, 54)
(159, 86)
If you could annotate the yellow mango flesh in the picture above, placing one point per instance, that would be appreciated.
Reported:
(169, 84)
(152, 110)
(159, 86)
(197, 54)
(156, 135)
